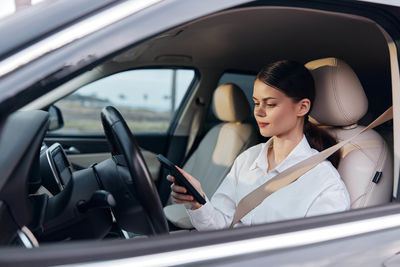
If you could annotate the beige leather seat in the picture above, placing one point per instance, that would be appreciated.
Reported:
(213, 158)
(366, 165)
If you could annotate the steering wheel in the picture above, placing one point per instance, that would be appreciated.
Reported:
(141, 185)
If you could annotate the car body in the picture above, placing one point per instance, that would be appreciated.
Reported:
(62, 46)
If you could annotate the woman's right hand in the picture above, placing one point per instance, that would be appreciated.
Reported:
(179, 193)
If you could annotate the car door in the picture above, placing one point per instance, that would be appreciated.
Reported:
(149, 100)
(282, 245)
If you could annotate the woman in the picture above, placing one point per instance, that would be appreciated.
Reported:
(283, 95)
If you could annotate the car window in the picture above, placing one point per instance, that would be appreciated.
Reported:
(147, 98)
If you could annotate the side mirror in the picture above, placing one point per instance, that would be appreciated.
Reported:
(55, 118)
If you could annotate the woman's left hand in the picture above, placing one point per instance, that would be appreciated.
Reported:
(179, 193)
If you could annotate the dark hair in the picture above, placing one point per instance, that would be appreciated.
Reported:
(295, 80)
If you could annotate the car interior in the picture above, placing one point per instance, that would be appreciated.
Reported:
(114, 187)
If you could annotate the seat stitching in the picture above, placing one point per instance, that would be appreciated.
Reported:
(339, 103)
(354, 201)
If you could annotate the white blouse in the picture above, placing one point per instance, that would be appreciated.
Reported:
(319, 191)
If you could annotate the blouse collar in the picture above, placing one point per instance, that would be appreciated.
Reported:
(301, 151)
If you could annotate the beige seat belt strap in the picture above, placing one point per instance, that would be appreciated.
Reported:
(194, 129)
(288, 176)
(195, 125)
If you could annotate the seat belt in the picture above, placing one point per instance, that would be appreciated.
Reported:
(290, 175)
(194, 130)
(197, 120)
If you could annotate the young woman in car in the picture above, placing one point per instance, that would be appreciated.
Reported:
(283, 96)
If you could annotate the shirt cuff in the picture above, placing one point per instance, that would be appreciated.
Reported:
(202, 213)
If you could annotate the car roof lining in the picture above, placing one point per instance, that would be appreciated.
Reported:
(229, 39)
(249, 38)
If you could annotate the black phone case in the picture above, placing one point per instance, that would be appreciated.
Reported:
(180, 179)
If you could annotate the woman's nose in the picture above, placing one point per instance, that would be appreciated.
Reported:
(260, 112)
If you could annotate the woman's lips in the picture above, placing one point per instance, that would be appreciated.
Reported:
(262, 124)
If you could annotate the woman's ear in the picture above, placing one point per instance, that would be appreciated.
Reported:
(303, 107)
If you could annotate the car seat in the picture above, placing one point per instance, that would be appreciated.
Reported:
(366, 164)
(215, 154)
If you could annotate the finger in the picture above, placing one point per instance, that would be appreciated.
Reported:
(171, 178)
(179, 201)
(178, 189)
(182, 197)
(193, 203)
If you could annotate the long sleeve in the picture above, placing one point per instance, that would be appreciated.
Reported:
(217, 213)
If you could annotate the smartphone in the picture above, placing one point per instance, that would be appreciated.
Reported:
(180, 179)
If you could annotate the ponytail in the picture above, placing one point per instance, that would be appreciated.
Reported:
(320, 139)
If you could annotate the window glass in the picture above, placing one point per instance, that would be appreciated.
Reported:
(147, 98)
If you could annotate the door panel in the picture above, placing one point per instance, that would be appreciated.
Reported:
(83, 144)
(89, 150)
(82, 161)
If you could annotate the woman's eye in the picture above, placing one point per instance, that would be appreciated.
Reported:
(271, 105)
(256, 104)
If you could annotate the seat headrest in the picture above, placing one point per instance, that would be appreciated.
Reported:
(340, 99)
(230, 103)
